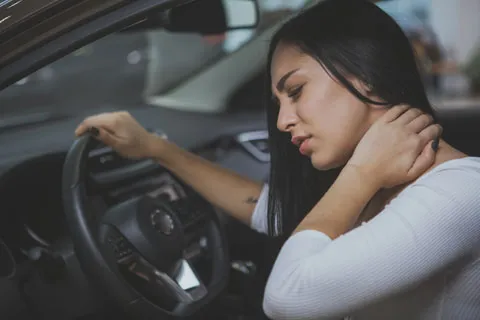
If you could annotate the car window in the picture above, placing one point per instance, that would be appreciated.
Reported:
(446, 39)
(112, 73)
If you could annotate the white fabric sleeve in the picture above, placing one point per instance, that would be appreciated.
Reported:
(433, 222)
(259, 221)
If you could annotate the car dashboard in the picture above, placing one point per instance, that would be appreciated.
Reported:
(33, 228)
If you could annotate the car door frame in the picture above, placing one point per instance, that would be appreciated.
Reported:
(96, 22)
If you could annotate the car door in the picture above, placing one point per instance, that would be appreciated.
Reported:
(35, 33)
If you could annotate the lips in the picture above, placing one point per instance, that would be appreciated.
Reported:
(298, 140)
(302, 142)
(304, 147)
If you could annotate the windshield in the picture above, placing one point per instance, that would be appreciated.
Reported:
(117, 71)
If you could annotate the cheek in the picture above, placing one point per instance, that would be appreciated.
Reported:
(338, 129)
(347, 118)
(334, 117)
(333, 152)
(329, 121)
(346, 129)
(315, 113)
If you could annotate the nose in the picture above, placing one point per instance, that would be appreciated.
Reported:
(287, 118)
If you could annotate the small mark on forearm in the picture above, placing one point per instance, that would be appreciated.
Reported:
(251, 200)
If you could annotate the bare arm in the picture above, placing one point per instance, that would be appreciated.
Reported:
(223, 188)
(334, 216)
(227, 190)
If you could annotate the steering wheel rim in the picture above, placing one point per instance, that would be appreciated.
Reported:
(95, 257)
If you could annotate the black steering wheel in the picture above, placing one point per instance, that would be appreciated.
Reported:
(136, 250)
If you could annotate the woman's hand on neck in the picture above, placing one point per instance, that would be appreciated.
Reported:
(383, 197)
(396, 150)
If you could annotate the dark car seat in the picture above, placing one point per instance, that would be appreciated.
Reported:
(461, 124)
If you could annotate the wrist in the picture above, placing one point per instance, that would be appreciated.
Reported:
(368, 178)
(155, 146)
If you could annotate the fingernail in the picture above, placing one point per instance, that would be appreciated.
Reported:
(94, 131)
(435, 144)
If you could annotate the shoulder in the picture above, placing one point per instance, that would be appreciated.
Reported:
(455, 182)
(443, 203)
(455, 177)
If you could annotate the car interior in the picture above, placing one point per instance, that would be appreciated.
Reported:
(74, 242)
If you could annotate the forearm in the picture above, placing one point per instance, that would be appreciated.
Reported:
(340, 207)
(227, 190)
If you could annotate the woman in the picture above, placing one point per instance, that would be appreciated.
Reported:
(394, 232)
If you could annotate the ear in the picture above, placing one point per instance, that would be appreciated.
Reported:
(364, 88)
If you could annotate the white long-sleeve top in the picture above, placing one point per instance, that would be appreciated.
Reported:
(417, 259)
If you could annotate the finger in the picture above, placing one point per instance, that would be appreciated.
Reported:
(81, 129)
(106, 137)
(106, 121)
(408, 116)
(431, 132)
(394, 112)
(423, 162)
(421, 122)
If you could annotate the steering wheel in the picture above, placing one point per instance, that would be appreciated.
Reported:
(135, 251)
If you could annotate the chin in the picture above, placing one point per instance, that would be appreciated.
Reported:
(324, 163)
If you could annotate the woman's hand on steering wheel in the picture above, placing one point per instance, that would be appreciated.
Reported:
(120, 131)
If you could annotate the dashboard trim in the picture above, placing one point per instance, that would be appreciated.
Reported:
(246, 139)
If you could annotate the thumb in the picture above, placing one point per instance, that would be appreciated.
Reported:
(424, 160)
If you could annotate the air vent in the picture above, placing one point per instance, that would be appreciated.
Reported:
(104, 159)
(255, 143)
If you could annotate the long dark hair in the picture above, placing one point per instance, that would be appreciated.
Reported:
(348, 38)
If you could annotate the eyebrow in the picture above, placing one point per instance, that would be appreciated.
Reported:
(281, 82)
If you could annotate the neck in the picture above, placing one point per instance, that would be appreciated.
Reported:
(445, 153)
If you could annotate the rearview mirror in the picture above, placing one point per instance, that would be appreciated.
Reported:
(204, 17)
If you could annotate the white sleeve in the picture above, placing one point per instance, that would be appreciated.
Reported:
(259, 220)
(433, 222)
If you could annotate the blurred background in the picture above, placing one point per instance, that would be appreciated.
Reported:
(125, 70)
(446, 37)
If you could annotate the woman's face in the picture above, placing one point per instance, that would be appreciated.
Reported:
(324, 119)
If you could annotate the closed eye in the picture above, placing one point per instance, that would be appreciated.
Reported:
(294, 94)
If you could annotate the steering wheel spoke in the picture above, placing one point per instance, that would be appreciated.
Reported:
(140, 251)
(115, 245)
(183, 285)
(184, 288)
